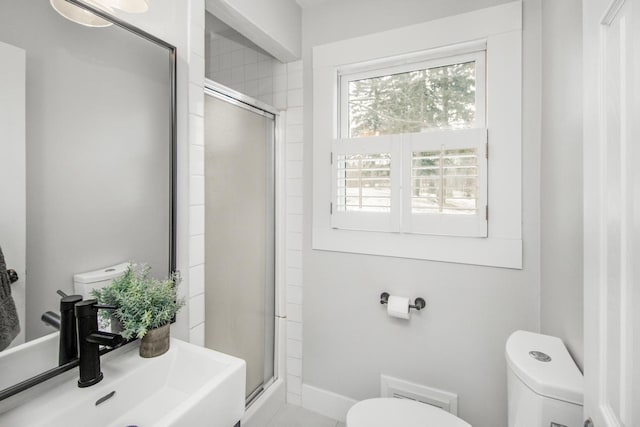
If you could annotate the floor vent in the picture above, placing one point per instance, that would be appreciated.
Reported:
(395, 387)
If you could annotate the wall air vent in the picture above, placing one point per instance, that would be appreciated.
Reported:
(395, 387)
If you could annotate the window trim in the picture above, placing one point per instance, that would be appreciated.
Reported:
(500, 27)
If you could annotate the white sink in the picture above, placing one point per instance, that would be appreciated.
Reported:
(187, 386)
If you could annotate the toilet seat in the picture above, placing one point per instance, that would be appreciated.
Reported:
(392, 412)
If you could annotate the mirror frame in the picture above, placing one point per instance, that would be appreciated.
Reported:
(172, 50)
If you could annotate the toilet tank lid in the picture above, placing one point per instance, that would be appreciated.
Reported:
(558, 378)
(102, 274)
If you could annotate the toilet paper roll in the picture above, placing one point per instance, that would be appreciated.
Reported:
(398, 307)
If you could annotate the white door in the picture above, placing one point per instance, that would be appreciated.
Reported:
(12, 172)
(612, 211)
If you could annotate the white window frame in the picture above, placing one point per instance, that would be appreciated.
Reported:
(500, 29)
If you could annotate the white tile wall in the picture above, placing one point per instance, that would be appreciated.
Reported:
(294, 200)
(196, 172)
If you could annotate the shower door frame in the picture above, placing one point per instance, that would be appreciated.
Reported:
(226, 94)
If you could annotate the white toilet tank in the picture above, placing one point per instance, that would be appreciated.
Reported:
(545, 387)
(84, 283)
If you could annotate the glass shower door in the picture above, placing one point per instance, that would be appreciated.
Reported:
(239, 236)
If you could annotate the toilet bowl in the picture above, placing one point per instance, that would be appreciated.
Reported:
(393, 412)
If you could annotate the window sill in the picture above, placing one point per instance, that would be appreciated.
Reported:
(493, 252)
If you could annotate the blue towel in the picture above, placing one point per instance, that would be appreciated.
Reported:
(9, 323)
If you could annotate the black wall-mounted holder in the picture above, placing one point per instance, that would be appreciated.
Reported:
(418, 304)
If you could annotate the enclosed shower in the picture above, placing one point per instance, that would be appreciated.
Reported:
(240, 233)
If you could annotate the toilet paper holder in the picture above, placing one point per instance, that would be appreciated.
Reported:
(418, 304)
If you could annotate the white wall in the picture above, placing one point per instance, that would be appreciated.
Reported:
(561, 311)
(457, 343)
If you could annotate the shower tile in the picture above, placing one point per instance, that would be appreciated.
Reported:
(265, 85)
(294, 348)
(237, 74)
(280, 83)
(294, 149)
(294, 332)
(294, 366)
(225, 61)
(295, 80)
(237, 58)
(278, 68)
(294, 295)
(196, 310)
(294, 116)
(196, 280)
(265, 68)
(294, 98)
(196, 129)
(294, 204)
(280, 100)
(196, 160)
(250, 56)
(294, 133)
(196, 39)
(196, 70)
(196, 220)
(294, 276)
(294, 66)
(197, 190)
(196, 250)
(294, 223)
(196, 335)
(251, 71)
(294, 187)
(294, 169)
(294, 312)
(294, 241)
(196, 99)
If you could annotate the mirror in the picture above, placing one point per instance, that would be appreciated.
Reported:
(87, 143)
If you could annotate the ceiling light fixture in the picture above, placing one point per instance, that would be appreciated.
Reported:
(129, 6)
(80, 15)
(88, 19)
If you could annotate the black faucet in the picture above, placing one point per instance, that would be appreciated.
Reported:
(65, 322)
(90, 339)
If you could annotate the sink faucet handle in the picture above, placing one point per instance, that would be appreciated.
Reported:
(106, 307)
(62, 294)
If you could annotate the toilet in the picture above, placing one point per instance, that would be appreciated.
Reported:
(393, 412)
(84, 283)
(545, 388)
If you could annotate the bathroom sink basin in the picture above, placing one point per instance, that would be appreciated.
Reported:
(187, 386)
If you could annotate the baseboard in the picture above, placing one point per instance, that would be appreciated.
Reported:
(266, 406)
(326, 403)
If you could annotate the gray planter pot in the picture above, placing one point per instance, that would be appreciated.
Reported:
(155, 342)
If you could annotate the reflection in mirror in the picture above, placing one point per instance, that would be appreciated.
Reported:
(86, 138)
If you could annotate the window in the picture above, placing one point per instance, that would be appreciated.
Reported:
(414, 120)
(417, 141)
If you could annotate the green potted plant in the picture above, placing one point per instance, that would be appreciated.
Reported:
(145, 307)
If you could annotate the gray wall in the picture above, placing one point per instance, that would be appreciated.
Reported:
(457, 344)
(561, 308)
(98, 117)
